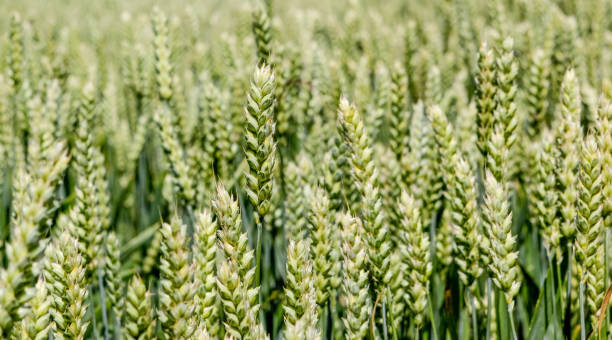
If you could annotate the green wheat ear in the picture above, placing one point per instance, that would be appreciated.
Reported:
(355, 277)
(205, 258)
(177, 287)
(261, 30)
(568, 136)
(485, 97)
(64, 272)
(503, 264)
(37, 324)
(113, 282)
(364, 173)
(139, 322)
(260, 148)
(299, 285)
(589, 267)
(415, 255)
(321, 234)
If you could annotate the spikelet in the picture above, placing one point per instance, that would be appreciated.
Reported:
(260, 148)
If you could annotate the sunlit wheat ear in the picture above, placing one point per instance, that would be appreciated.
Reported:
(64, 272)
(415, 255)
(37, 324)
(205, 258)
(321, 233)
(589, 266)
(139, 323)
(177, 288)
(497, 216)
(33, 201)
(355, 284)
(364, 172)
(299, 285)
(260, 147)
(231, 292)
(505, 114)
(237, 266)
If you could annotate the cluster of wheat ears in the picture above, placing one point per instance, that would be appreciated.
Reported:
(306, 170)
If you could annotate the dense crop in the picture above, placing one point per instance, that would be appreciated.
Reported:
(306, 170)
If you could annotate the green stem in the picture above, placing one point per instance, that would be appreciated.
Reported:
(554, 295)
(394, 330)
(489, 308)
(258, 267)
(431, 316)
(582, 323)
(103, 303)
(474, 316)
(559, 281)
(384, 315)
(606, 283)
(512, 326)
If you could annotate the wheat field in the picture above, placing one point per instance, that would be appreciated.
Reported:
(305, 170)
